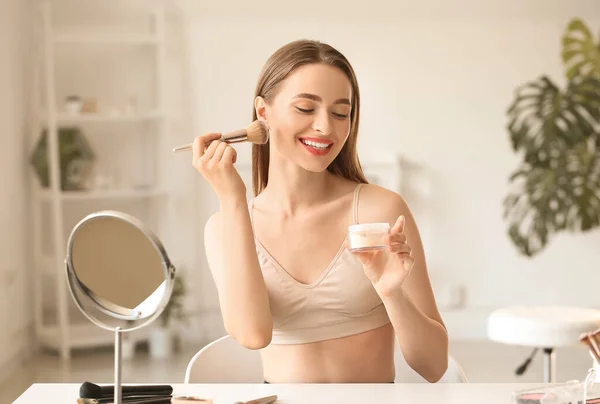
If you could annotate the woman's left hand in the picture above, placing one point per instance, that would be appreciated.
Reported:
(388, 269)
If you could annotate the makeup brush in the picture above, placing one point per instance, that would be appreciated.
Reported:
(256, 132)
(91, 390)
(592, 338)
(586, 338)
(125, 400)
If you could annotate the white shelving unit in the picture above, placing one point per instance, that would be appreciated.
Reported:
(87, 39)
(62, 118)
(52, 205)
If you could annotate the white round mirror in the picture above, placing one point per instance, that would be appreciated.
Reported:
(117, 267)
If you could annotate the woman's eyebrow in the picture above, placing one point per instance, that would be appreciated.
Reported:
(315, 97)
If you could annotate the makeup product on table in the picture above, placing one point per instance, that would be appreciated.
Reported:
(368, 236)
(190, 400)
(103, 393)
(257, 132)
(193, 399)
(128, 400)
(534, 398)
(538, 398)
(262, 400)
(570, 392)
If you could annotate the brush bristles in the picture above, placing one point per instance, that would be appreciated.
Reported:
(257, 132)
(589, 339)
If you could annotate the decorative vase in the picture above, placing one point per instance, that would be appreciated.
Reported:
(73, 105)
(161, 343)
(128, 348)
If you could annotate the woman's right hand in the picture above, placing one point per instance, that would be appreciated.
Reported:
(216, 166)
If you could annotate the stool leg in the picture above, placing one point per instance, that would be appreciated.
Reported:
(549, 365)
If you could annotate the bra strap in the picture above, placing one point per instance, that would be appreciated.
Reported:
(355, 203)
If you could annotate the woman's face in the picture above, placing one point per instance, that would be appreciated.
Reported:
(309, 118)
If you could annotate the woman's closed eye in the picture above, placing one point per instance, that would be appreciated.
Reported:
(305, 110)
(311, 110)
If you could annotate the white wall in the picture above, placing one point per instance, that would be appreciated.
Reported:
(15, 292)
(436, 79)
(431, 73)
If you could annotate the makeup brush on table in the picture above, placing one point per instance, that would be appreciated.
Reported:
(257, 133)
(589, 340)
(91, 390)
(128, 400)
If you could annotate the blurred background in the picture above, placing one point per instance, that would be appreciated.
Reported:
(119, 84)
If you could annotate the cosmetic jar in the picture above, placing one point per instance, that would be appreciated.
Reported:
(368, 236)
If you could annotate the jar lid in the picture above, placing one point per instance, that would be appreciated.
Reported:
(371, 227)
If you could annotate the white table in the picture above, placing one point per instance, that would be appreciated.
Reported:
(446, 393)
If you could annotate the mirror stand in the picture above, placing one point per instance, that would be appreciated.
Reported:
(118, 358)
(116, 267)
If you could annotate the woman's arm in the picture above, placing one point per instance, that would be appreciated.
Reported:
(231, 255)
(230, 247)
(407, 295)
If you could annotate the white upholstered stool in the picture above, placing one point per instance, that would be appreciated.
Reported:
(546, 327)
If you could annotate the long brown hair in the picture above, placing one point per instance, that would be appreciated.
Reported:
(279, 66)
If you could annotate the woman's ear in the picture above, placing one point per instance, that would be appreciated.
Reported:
(260, 105)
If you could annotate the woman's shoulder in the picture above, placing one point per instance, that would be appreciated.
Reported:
(379, 204)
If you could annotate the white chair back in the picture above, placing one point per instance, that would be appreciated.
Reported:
(226, 361)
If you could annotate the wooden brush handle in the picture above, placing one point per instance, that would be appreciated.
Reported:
(237, 136)
(189, 146)
(184, 147)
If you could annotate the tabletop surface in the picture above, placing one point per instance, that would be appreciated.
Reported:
(441, 393)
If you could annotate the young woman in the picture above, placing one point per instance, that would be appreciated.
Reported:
(287, 283)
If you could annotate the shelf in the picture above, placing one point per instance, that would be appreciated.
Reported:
(82, 336)
(86, 335)
(112, 43)
(63, 118)
(46, 195)
(102, 38)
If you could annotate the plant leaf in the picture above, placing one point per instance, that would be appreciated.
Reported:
(544, 120)
(583, 163)
(580, 54)
(563, 195)
(557, 187)
(175, 308)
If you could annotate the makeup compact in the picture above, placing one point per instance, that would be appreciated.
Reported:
(368, 236)
(570, 392)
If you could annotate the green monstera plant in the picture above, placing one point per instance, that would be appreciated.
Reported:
(174, 309)
(557, 132)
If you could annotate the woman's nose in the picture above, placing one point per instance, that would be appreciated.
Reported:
(323, 123)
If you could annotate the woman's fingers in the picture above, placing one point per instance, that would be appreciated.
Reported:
(397, 238)
(230, 154)
(200, 142)
(210, 151)
(400, 248)
(219, 150)
(399, 225)
(199, 149)
(408, 262)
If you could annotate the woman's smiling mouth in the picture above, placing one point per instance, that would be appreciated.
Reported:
(316, 146)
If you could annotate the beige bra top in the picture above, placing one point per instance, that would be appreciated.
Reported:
(341, 302)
